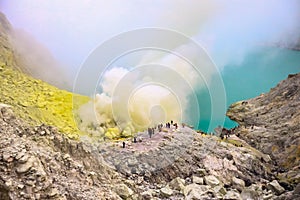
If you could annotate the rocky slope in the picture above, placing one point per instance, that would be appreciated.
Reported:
(271, 123)
(41, 163)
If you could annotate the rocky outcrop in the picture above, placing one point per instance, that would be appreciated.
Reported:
(7, 56)
(271, 123)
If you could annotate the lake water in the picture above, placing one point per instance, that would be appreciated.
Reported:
(259, 71)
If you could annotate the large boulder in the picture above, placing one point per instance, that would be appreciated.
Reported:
(123, 191)
(238, 184)
(177, 184)
(195, 191)
(211, 180)
(220, 190)
(166, 191)
(249, 193)
(197, 180)
(275, 187)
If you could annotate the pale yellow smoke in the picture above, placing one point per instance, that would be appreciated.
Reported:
(146, 106)
(152, 105)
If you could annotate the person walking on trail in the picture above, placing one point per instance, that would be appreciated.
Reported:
(124, 144)
(150, 132)
(176, 126)
(159, 127)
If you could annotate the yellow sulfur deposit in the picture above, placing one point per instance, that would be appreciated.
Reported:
(112, 133)
(38, 102)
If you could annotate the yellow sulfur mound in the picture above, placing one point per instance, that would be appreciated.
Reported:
(38, 102)
(112, 133)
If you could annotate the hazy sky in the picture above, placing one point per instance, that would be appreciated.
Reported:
(72, 29)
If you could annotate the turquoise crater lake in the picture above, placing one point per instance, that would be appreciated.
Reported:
(258, 72)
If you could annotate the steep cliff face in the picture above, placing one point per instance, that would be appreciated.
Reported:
(6, 54)
(271, 123)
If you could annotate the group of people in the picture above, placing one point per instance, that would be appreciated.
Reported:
(168, 124)
(151, 131)
(124, 143)
(225, 133)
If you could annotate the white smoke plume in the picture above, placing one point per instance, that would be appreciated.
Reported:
(147, 98)
(147, 107)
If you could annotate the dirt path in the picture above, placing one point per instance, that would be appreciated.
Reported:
(145, 143)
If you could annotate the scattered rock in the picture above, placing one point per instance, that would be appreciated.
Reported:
(25, 167)
(166, 192)
(123, 191)
(7, 157)
(249, 193)
(197, 180)
(20, 186)
(24, 158)
(211, 180)
(195, 191)
(201, 172)
(147, 195)
(132, 162)
(220, 190)
(177, 184)
(232, 195)
(238, 184)
(9, 183)
(296, 192)
(275, 187)
(20, 154)
(53, 192)
(267, 196)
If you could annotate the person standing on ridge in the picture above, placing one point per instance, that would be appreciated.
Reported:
(150, 132)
